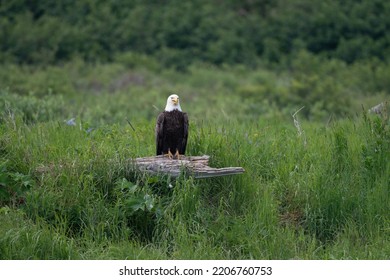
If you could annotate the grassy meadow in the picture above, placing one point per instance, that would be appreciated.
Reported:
(316, 188)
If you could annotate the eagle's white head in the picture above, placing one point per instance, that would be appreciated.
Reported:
(173, 103)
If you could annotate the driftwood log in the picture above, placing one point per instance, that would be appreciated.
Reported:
(196, 166)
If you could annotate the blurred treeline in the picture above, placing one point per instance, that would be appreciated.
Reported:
(178, 33)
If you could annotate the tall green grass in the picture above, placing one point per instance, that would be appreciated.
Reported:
(326, 199)
(71, 192)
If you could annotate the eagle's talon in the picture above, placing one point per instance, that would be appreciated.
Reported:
(177, 155)
(169, 154)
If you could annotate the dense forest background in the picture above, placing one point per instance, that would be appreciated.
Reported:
(178, 32)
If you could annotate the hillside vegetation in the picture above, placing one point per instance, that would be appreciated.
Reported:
(281, 88)
(181, 32)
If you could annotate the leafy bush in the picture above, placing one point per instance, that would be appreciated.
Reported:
(13, 186)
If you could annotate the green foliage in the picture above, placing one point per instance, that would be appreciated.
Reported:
(69, 191)
(23, 240)
(374, 151)
(326, 88)
(179, 33)
(13, 185)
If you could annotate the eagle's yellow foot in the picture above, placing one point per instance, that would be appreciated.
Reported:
(177, 155)
(169, 154)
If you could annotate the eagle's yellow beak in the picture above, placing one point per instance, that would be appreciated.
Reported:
(175, 100)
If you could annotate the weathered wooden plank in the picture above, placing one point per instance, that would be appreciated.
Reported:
(216, 172)
(196, 166)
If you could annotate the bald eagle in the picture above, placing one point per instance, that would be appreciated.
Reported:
(172, 129)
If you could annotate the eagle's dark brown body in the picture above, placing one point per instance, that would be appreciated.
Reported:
(171, 132)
